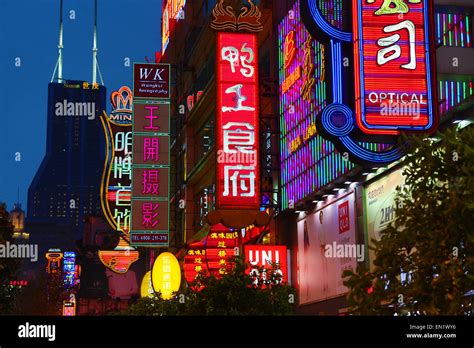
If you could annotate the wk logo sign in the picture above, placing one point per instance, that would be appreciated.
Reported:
(155, 73)
(151, 81)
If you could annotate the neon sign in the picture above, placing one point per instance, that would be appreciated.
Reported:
(308, 161)
(115, 190)
(237, 124)
(266, 256)
(392, 74)
(195, 262)
(151, 158)
(220, 244)
(393, 88)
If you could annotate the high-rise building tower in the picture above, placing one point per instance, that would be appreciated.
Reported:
(66, 187)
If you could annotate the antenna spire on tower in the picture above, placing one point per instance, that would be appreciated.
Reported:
(59, 63)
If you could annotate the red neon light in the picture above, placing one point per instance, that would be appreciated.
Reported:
(392, 86)
(237, 125)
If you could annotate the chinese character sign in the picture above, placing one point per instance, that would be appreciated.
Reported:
(166, 275)
(195, 262)
(237, 121)
(150, 173)
(220, 244)
(393, 66)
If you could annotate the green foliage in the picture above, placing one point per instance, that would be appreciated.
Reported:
(432, 239)
(233, 294)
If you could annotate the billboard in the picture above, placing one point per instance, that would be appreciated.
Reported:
(115, 190)
(393, 73)
(237, 123)
(380, 66)
(151, 156)
(379, 206)
(264, 256)
(321, 235)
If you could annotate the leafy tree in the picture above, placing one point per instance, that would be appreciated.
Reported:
(432, 239)
(235, 293)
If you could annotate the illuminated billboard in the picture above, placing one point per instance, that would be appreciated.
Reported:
(379, 206)
(266, 256)
(321, 235)
(381, 71)
(117, 178)
(237, 126)
(151, 156)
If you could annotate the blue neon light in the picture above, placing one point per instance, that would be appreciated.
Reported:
(324, 25)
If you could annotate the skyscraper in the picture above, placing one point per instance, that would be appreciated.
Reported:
(66, 187)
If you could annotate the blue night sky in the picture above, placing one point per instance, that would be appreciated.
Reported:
(29, 30)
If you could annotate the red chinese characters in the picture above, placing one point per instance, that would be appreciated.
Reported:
(237, 121)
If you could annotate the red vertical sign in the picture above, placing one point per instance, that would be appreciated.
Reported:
(237, 121)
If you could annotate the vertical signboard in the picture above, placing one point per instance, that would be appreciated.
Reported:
(115, 190)
(151, 156)
(195, 262)
(220, 244)
(237, 127)
(393, 72)
(326, 247)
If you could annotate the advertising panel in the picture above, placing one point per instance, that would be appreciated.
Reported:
(326, 247)
(379, 206)
(237, 126)
(151, 156)
(265, 256)
(115, 190)
(393, 66)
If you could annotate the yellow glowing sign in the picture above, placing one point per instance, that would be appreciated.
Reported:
(146, 289)
(166, 275)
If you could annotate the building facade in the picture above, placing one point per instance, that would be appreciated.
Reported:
(316, 194)
(66, 187)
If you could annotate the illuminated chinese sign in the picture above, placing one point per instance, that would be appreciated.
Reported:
(166, 275)
(151, 165)
(237, 121)
(117, 178)
(220, 244)
(266, 256)
(195, 262)
(308, 161)
(392, 53)
(392, 73)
